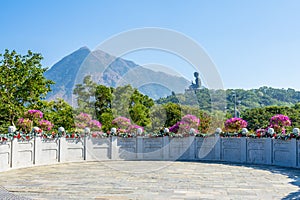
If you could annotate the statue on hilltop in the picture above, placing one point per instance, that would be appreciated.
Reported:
(197, 83)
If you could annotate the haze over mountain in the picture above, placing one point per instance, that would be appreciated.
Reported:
(111, 71)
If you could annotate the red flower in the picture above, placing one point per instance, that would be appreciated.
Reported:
(94, 135)
(18, 136)
(258, 135)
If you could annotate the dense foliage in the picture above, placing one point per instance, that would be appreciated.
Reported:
(23, 87)
(260, 117)
(245, 99)
(22, 84)
(107, 103)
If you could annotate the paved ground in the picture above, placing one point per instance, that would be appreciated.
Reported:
(152, 180)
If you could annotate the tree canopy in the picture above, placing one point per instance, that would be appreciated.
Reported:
(21, 84)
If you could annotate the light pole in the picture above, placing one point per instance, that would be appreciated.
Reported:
(235, 113)
(239, 107)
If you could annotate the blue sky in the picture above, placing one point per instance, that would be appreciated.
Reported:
(253, 43)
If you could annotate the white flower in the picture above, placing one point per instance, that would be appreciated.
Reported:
(166, 130)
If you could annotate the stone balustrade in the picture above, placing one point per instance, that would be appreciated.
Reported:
(17, 154)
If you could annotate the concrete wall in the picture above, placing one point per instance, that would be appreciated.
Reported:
(5, 156)
(16, 154)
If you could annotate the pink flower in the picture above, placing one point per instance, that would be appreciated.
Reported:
(235, 124)
(94, 124)
(185, 124)
(34, 114)
(278, 122)
(122, 122)
(46, 125)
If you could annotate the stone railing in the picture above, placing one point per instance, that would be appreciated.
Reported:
(17, 154)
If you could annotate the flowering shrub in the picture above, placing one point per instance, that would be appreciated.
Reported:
(121, 122)
(279, 122)
(31, 119)
(25, 124)
(94, 125)
(186, 123)
(125, 128)
(34, 114)
(82, 120)
(134, 128)
(235, 124)
(261, 132)
(45, 125)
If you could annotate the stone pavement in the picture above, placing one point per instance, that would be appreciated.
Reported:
(152, 180)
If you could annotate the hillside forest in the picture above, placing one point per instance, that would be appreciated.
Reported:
(23, 86)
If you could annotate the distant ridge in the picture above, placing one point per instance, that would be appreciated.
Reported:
(111, 71)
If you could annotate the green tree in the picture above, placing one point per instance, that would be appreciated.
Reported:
(103, 106)
(86, 96)
(260, 117)
(173, 112)
(122, 101)
(158, 118)
(21, 84)
(59, 112)
(139, 108)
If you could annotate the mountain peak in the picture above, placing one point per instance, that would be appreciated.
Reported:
(107, 70)
(84, 48)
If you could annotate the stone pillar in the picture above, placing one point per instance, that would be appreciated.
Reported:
(114, 148)
(243, 149)
(166, 148)
(192, 148)
(217, 147)
(269, 151)
(139, 146)
(294, 152)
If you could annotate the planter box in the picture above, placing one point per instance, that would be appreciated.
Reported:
(23, 153)
(98, 149)
(5, 156)
(72, 149)
(46, 151)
